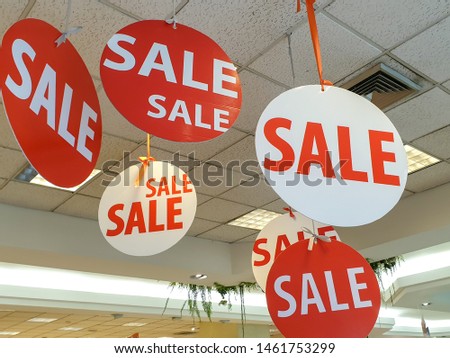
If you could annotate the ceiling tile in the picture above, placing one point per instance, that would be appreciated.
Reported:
(407, 193)
(422, 114)
(276, 63)
(98, 22)
(97, 186)
(428, 178)
(155, 10)
(250, 238)
(113, 149)
(200, 225)
(114, 123)
(342, 52)
(80, 206)
(10, 11)
(405, 19)
(202, 198)
(257, 93)
(276, 206)
(429, 51)
(244, 152)
(221, 210)
(257, 193)
(32, 196)
(251, 25)
(436, 143)
(446, 84)
(11, 162)
(7, 138)
(214, 180)
(227, 233)
(202, 150)
(2, 182)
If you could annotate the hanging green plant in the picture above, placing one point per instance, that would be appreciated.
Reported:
(203, 293)
(386, 266)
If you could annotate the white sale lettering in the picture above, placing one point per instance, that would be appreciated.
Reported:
(308, 284)
(159, 59)
(45, 98)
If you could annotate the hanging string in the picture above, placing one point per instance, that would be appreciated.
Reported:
(173, 20)
(314, 237)
(315, 39)
(61, 39)
(145, 163)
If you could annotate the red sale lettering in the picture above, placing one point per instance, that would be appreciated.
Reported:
(135, 219)
(314, 137)
(189, 88)
(379, 157)
(163, 188)
(50, 98)
(258, 250)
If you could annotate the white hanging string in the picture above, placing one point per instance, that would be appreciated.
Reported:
(291, 57)
(61, 39)
(314, 237)
(173, 20)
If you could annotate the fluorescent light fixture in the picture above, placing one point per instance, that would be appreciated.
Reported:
(417, 159)
(42, 320)
(134, 324)
(30, 175)
(425, 304)
(70, 329)
(8, 333)
(255, 219)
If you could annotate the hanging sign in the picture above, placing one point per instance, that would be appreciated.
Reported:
(331, 155)
(329, 292)
(176, 84)
(146, 219)
(277, 236)
(51, 102)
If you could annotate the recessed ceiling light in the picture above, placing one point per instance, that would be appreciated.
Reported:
(198, 276)
(8, 333)
(424, 304)
(30, 175)
(72, 329)
(134, 324)
(417, 159)
(42, 320)
(255, 219)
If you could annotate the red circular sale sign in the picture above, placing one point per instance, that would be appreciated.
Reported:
(278, 235)
(51, 102)
(177, 84)
(329, 292)
(146, 219)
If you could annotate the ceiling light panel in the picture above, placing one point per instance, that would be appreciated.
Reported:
(255, 219)
(42, 320)
(418, 160)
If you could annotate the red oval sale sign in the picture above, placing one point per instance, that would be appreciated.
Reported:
(176, 84)
(51, 102)
(329, 292)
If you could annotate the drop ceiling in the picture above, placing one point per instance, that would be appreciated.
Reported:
(413, 38)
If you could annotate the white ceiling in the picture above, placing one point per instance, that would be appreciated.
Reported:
(413, 37)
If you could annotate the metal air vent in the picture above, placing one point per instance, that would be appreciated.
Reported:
(382, 85)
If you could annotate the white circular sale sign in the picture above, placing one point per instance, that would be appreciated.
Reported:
(146, 219)
(277, 236)
(331, 155)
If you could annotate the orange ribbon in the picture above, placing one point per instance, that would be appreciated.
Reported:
(315, 39)
(145, 162)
